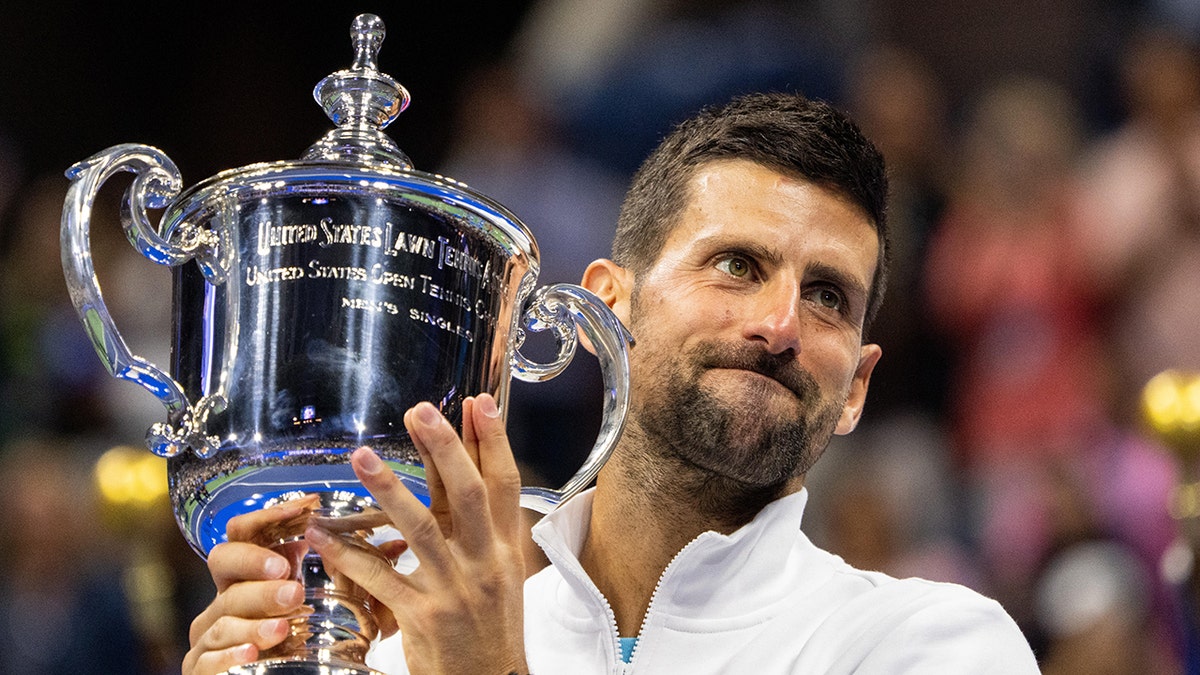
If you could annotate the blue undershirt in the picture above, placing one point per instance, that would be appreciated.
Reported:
(627, 645)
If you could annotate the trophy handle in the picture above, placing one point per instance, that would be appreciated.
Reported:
(157, 181)
(565, 309)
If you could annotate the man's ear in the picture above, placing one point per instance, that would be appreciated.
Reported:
(611, 283)
(868, 356)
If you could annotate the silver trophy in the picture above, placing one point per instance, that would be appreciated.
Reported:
(329, 295)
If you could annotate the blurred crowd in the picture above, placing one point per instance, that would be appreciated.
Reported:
(1046, 237)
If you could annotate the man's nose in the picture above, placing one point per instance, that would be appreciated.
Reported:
(773, 318)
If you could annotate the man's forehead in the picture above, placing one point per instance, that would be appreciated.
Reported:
(703, 173)
(724, 172)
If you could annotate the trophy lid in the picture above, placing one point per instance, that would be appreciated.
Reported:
(354, 158)
(361, 101)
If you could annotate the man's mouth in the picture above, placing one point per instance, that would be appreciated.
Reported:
(780, 368)
(758, 376)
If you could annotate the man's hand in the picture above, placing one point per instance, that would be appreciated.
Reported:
(255, 592)
(461, 610)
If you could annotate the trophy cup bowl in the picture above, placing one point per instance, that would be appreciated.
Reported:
(329, 295)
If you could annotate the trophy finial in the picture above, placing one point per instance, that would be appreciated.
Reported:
(361, 101)
(367, 33)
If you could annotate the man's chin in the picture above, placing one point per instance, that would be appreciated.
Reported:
(743, 474)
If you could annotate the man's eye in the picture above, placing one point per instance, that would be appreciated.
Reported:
(829, 298)
(735, 266)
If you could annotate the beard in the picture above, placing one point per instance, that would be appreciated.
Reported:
(740, 439)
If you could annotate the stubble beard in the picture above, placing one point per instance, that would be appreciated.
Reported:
(729, 458)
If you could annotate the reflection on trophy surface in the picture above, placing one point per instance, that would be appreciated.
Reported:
(329, 295)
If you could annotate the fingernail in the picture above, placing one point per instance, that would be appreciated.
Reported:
(368, 461)
(275, 568)
(317, 536)
(271, 627)
(428, 415)
(289, 595)
(487, 405)
(244, 653)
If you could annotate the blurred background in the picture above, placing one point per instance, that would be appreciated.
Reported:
(1045, 162)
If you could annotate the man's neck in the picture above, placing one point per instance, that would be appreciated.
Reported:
(648, 506)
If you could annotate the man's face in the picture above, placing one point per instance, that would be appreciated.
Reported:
(749, 347)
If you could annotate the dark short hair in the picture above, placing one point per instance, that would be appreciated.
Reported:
(797, 136)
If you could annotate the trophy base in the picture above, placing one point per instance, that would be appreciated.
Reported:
(300, 667)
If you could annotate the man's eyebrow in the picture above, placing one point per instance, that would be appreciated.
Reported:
(854, 289)
(758, 251)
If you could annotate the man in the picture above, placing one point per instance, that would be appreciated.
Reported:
(749, 257)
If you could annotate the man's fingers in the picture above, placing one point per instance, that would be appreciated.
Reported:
(211, 663)
(469, 440)
(232, 631)
(464, 487)
(251, 600)
(250, 526)
(408, 514)
(438, 504)
(231, 641)
(497, 464)
(393, 549)
(364, 564)
(384, 618)
(235, 561)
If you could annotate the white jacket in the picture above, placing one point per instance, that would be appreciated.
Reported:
(763, 600)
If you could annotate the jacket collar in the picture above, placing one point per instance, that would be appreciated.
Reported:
(752, 568)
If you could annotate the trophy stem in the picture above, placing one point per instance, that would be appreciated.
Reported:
(333, 633)
(340, 625)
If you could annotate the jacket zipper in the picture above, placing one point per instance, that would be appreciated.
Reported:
(628, 667)
(621, 666)
(576, 569)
